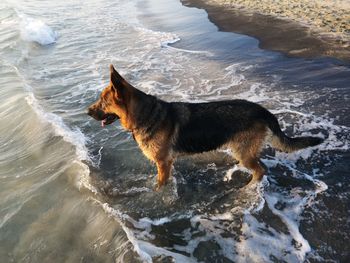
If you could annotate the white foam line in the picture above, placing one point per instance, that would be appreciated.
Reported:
(290, 215)
(213, 231)
(153, 250)
(260, 189)
(144, 249)
(84, 178)
(155, 222)
(146, 257)
(290, 111)
(146, 223)
(120, 217)
(292, 226)
(319, 121)
(257, 246)
(74, 137)
(166, 39)
(166, 45)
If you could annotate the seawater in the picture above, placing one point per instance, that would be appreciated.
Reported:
(72, 191)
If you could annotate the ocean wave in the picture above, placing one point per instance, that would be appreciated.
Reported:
(74, 137)
(35, 30)
(202, 227)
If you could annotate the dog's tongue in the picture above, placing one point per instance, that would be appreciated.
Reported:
(103, 123)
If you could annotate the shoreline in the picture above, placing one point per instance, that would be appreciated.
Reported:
(274, 32)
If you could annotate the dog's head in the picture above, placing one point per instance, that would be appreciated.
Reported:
(112, 102)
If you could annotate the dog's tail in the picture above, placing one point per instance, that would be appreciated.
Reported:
(284, 143)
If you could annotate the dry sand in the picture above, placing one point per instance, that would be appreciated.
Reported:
(298, 28)
(325, 16)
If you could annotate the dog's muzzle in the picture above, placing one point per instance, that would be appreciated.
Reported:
(108, 119)
(105, 118)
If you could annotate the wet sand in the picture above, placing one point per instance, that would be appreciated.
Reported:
(297, 32)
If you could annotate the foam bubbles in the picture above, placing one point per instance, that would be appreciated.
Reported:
(35, 30)
(163, 38)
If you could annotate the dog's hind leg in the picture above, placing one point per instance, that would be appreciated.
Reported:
(164, 171)
(250, 160)
(253, 163)
(246, 149)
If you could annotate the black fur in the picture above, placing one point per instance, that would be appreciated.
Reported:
(211, 125)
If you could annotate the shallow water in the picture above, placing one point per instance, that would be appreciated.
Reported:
(73, 191)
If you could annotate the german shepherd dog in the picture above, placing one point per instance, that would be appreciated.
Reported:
(165, 130)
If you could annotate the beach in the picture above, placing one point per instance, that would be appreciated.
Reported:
(73, 191)
(297, 28)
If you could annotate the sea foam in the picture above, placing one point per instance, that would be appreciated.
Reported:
(35, 30)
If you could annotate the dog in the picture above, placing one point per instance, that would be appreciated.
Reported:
(165, 130)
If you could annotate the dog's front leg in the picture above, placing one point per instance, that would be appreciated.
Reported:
(164, 171)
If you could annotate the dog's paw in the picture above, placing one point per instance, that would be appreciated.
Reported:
(158, 187)
(254, 181)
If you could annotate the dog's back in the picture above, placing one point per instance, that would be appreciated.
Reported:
(208, 126)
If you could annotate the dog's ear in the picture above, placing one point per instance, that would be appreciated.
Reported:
(118, 82)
